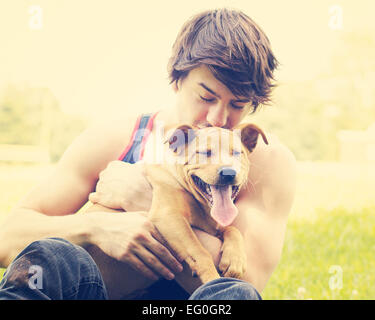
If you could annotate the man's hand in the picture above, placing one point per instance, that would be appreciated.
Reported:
(123, 186)
(131, 238)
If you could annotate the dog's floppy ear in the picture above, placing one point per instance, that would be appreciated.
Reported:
(249, 135)
(180, 137)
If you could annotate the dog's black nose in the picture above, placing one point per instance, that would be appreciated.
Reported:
(226, 175)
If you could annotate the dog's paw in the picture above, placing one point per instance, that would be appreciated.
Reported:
(202, 268)
(232, 264)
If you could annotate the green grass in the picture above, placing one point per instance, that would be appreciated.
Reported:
(335, 238)
(340, 233)
(1, 273)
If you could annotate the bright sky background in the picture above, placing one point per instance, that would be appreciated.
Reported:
(111, 55)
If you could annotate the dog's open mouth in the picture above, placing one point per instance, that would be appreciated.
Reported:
(206, 189)
(220, 198)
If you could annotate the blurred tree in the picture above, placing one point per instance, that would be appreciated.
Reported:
(31, 116)
(307, 115)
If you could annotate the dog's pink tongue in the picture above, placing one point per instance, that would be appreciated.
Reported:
(223, 209)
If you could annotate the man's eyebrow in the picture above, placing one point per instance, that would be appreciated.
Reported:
(245, 100)
(209, 90)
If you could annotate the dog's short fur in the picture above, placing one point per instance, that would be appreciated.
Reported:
(205, 170)
(196, 186)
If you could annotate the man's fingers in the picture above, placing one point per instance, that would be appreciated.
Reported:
(156, 234)
(152, 262)
(159, 247)
(137, 264)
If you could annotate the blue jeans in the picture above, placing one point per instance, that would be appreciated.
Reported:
(55, 269)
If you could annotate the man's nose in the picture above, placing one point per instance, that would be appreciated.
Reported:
(226, 175)
(217, 116)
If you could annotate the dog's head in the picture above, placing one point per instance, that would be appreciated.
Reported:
(214, 163)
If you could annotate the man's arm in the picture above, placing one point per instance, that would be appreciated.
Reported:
(47, 210)
(265, 224)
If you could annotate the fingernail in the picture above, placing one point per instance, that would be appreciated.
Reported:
(170, 276)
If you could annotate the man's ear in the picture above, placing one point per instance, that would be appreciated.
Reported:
(180, 137)
(249, 135)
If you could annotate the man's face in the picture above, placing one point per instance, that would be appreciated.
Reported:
(204, 101)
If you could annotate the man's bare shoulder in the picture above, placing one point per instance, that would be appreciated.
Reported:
(75, 176)
(110, 134)
(279, 154)
(103, 141)
(273, 176)
(280, 173)
(116, 126)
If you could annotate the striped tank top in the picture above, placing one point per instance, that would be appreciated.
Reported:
(162, 289)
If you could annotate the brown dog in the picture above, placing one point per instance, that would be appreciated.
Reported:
(205, 171)
(196, 185)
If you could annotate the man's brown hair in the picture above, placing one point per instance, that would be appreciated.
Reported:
(233, 47)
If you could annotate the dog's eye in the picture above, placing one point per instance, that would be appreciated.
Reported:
(205, 153)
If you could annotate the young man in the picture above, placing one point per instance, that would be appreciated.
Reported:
(221, 69)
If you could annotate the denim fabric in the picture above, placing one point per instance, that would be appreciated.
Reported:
(226, 289)
(53, 269)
